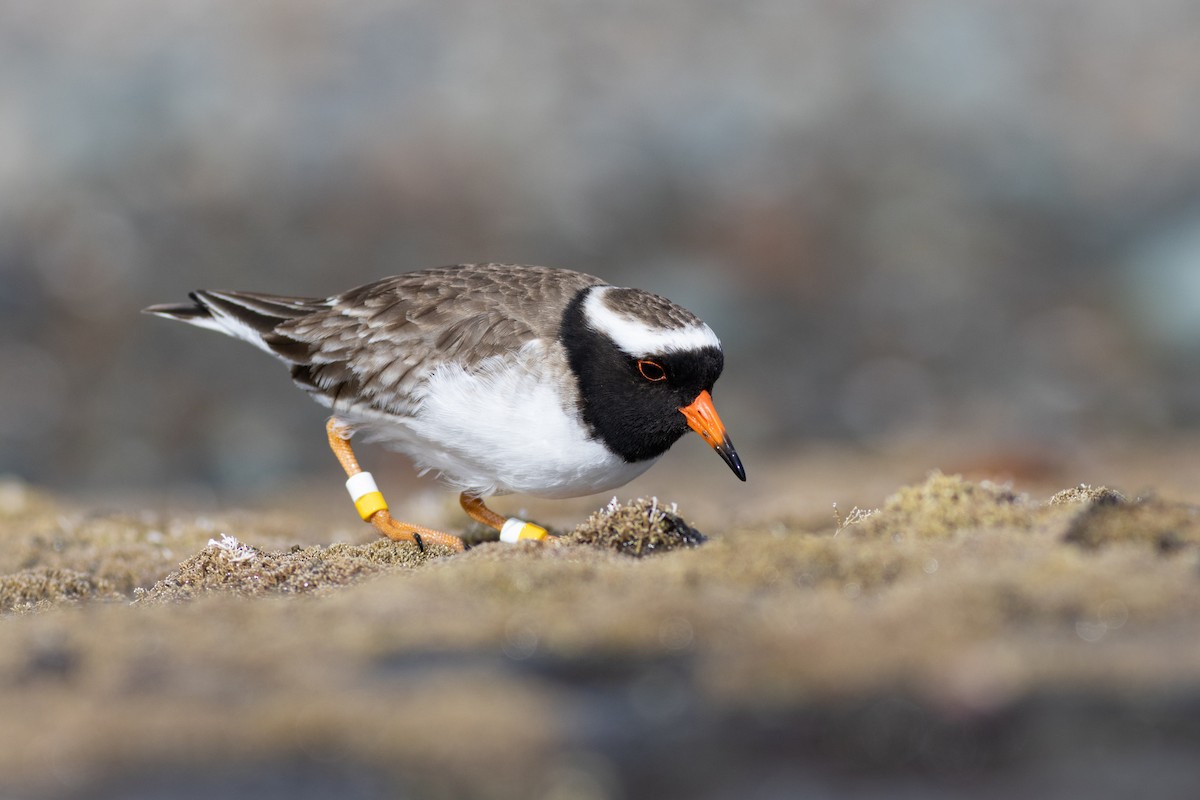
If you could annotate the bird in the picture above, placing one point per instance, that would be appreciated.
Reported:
(498, 378)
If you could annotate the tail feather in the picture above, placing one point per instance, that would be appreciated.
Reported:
(273, 306)
(248, 316)
(179, 311)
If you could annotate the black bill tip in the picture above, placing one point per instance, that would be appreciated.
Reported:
(729, 456)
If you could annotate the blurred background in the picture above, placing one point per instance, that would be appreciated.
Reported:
(908, 221)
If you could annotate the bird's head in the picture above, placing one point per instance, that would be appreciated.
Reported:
(645, 369)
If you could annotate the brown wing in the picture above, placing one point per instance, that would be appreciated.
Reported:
(376, 343)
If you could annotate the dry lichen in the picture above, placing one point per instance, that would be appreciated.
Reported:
(637, 529)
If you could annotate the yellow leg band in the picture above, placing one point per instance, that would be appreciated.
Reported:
(365, 494)
(515, 530)
(369, 504)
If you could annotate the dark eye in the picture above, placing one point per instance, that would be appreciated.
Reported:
(651, 370)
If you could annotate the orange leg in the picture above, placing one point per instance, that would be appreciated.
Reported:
(479, 512)
(511, 530)
(370, 503)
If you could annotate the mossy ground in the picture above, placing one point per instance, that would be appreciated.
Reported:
(962, 629)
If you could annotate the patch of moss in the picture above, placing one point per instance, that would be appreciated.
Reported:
(511, 649)
(638, 529)
(126, 550)
(35, 589)
(1165, 526)
(1088, 495)
(944, 506)
(232, 566)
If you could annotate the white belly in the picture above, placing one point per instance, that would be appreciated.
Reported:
(503, 429)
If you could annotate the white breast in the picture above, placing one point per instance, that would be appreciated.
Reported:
(508, 427)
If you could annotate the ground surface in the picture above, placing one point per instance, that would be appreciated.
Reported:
(935, 635)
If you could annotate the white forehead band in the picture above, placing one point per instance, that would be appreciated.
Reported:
(637, 338)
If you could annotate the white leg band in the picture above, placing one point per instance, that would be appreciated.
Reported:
(514, 530)
(511, 532)
(360, 484)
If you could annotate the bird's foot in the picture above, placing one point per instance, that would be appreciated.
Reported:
(369, 500)
(404, 532)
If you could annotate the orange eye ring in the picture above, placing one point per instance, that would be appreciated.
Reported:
(651, 370)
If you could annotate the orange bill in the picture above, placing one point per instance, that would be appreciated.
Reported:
(702, 418)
